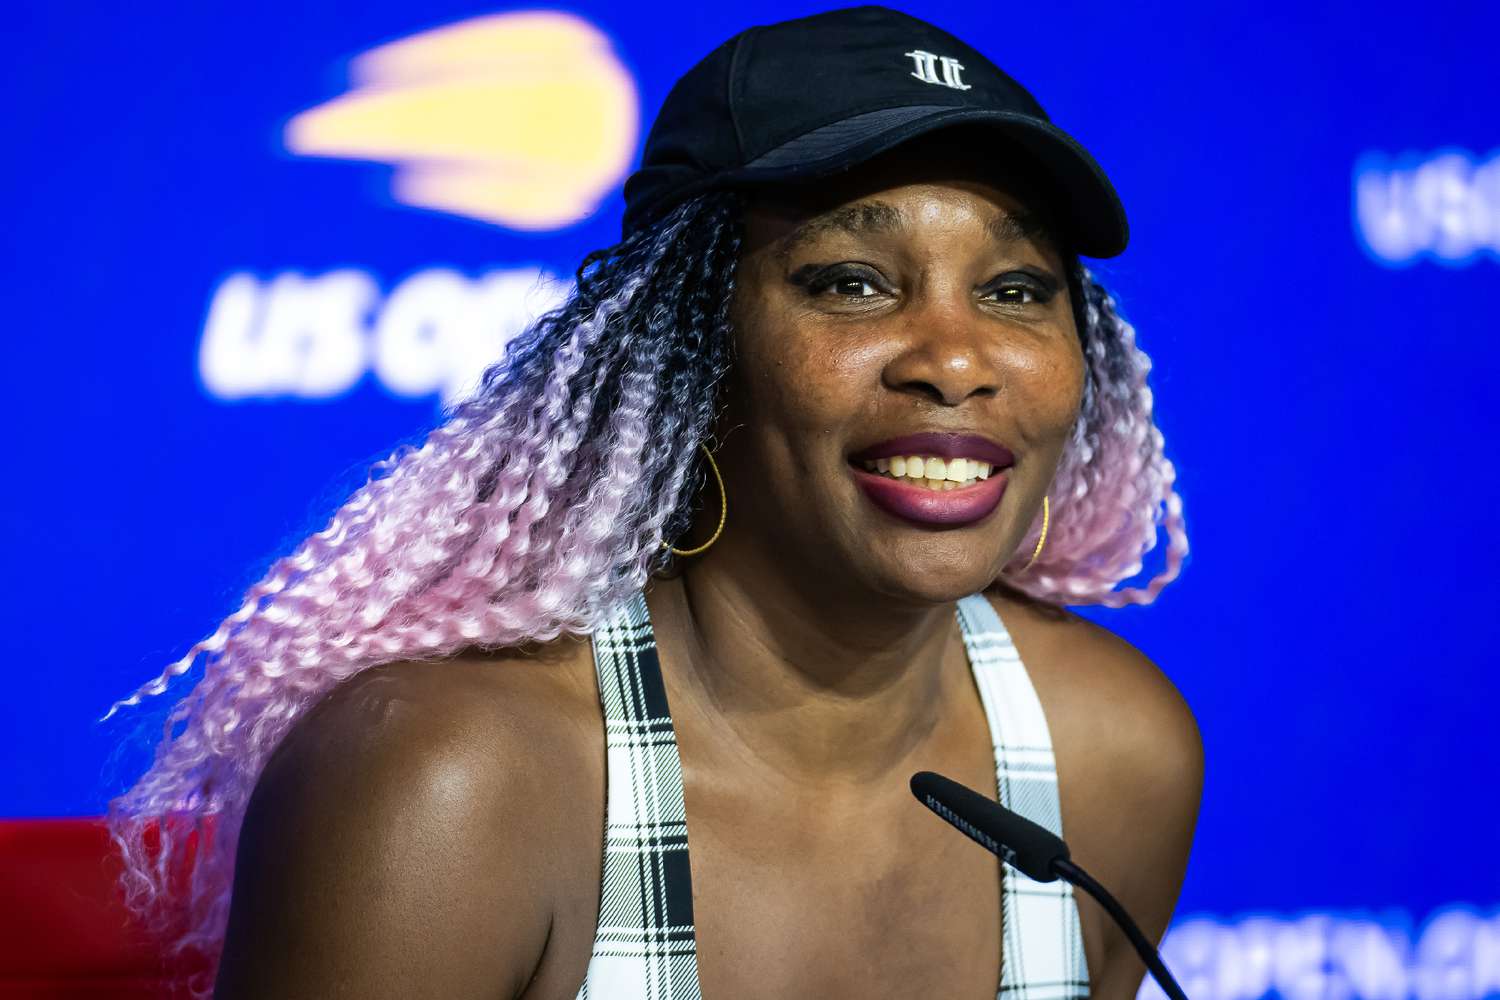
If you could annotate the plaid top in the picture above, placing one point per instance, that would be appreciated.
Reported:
(644, 947)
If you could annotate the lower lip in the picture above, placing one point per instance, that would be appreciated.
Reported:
(935, 508)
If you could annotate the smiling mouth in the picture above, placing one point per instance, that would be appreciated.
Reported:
(929, 472)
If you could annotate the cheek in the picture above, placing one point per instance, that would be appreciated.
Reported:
(798, 378)
(1045, 385)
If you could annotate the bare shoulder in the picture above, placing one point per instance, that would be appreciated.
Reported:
(1098, 687)
(475, 732)
(1130, 771)
(416, 832)
(457, 713)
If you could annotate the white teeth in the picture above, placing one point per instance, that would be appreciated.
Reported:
(931, 471)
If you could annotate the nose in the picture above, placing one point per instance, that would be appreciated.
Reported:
(944, 355)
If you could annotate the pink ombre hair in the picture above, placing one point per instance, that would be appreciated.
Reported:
(1113, 487)
(539, 504)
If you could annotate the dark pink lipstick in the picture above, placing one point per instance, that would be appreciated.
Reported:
(932, 508)
(935, 508)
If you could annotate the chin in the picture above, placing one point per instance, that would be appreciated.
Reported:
(937, 584)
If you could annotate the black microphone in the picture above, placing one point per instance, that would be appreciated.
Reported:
(1033, 850)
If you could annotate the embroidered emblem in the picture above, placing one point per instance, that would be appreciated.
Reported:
(927, 69)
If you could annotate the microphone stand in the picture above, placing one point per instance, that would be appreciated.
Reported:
(1065, 868)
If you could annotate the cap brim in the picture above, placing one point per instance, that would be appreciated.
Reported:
(1090, 207)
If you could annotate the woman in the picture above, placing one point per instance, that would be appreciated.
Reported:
(851, 295)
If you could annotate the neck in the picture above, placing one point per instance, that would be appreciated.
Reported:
(816, 684)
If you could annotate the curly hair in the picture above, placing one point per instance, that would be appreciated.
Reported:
(536, 506)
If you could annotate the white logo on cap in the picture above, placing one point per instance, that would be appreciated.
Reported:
(927, 66)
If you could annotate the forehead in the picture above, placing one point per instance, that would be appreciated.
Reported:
(1001, 187)
(1008, 223)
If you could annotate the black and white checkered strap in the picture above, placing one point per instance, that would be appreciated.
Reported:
(1043, 948)
(644, 947)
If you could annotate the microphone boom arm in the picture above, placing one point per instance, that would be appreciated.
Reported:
(1143, 946)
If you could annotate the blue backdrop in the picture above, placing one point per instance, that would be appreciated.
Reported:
(246, 246)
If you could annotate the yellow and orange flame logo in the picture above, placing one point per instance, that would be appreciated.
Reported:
(524, 119)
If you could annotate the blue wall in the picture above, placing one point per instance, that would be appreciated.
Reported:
(211, 335)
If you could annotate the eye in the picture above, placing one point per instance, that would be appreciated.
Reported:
(855, 288)
(1017, 295)
(845, 281)
(1020, 288)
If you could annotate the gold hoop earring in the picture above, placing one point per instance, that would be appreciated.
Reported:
(1046, 516)
(723, 509)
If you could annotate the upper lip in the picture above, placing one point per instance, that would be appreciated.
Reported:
(943, 445)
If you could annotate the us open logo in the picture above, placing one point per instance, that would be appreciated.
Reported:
(926, 70)
(524, 119)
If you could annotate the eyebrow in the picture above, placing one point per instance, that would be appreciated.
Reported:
(1017, 227)
(883, 217)
(866, 217)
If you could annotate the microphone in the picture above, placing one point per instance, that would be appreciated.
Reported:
(1034, 851)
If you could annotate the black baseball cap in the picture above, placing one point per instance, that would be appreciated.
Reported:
(809, 97)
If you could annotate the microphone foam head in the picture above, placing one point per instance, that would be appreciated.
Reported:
(1029, 847)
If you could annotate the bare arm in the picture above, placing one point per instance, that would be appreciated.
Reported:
(1130, 775)
(1157, 772)
(393, 848)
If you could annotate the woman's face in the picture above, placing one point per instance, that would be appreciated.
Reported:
(913, 294)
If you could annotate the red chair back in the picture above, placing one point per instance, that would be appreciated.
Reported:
(65, 933)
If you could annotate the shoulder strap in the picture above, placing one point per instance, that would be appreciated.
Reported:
(1042, 954)
(644, 948)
